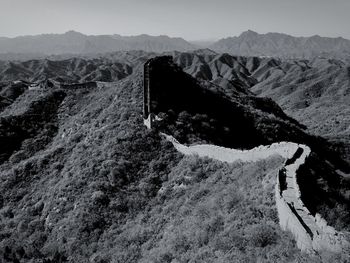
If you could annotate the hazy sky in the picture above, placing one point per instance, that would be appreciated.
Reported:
(191, 19)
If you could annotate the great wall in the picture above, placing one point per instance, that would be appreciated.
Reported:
(311, 232)
(49, 83)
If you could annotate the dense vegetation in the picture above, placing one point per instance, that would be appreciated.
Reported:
(200, 114)
(330, 194)
(90, 183)
(203, 213)
(9, 93)
(100, 169)
(36, 124)
(106, 189)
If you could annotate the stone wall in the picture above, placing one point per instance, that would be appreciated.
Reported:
(312, 234)
(290, 222)
(284, 149)
(84, 85)
(291, 211)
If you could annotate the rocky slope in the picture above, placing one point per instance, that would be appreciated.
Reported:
(250, 43)
(315, 92)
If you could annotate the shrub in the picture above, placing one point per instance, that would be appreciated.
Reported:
(262, 235)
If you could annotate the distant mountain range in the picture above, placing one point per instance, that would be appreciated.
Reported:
(249, 43)
(73, 42)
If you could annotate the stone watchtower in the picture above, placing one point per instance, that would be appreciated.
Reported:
(158, 87)
(147, 114)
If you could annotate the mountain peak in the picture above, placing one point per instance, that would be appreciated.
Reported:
(75, 42)
(249, 33)
(73, 33)
(281, 45)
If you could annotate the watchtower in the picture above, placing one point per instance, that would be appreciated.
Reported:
(147, 112)
(155, 88)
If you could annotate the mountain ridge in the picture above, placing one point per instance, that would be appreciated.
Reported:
(77, 43)
(250, 43)
(299, 86)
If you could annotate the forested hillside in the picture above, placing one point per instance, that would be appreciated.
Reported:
(84, 180)
(98, 186)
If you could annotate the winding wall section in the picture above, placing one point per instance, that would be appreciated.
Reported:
(311, 233)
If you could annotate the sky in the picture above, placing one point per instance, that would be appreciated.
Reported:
(190, 19)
